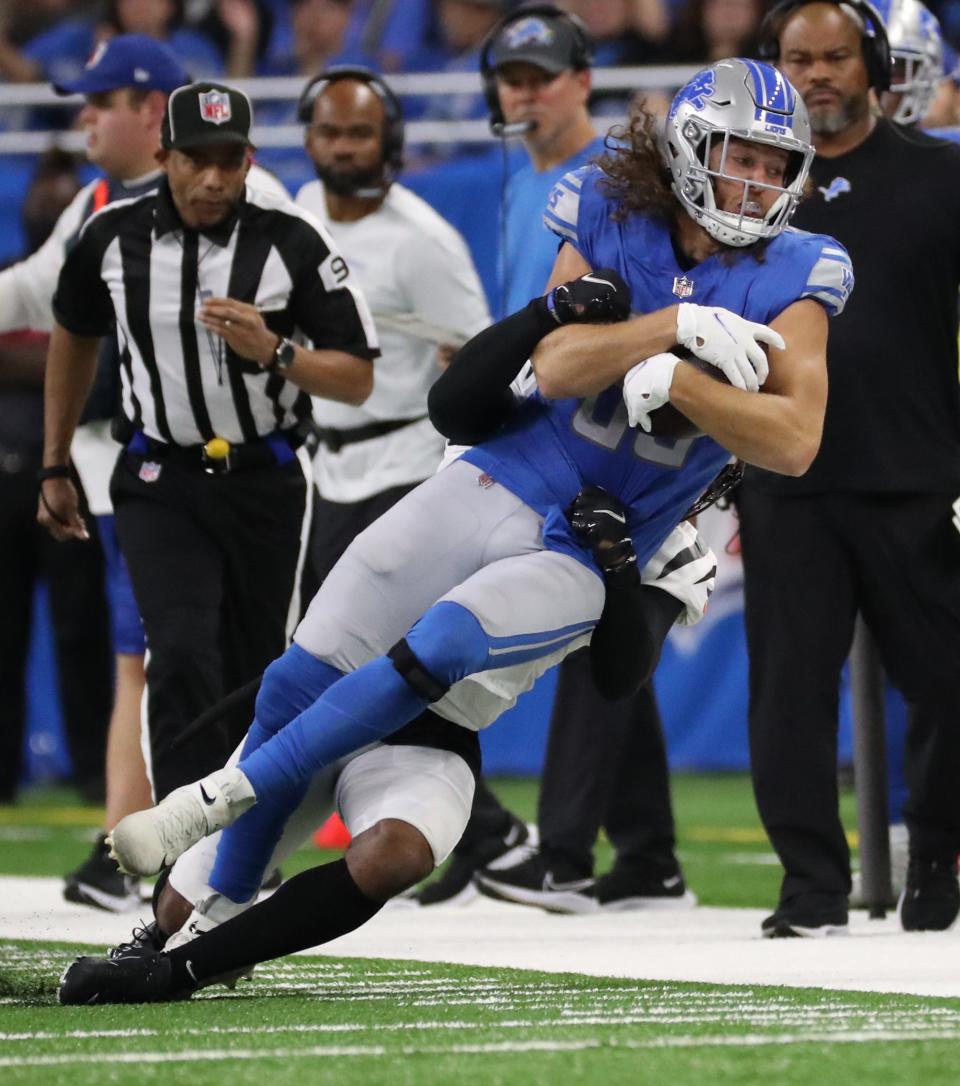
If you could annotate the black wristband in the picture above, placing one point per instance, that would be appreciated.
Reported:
(56, 471)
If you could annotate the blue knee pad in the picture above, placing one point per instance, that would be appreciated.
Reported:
(449, 643)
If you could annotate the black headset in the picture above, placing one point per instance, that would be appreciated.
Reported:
(580, 60)
(393, 111)
(873, 40)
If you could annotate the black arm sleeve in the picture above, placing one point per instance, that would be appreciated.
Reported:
(472, 399)
(625, 648)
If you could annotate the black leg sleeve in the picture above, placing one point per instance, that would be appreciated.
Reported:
(311, 908)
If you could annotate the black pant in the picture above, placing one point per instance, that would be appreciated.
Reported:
(81, 632)
(213, 561)
(335, 526)
(811, 563)
(606, 765)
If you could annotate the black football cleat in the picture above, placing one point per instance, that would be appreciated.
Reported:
(931, 899)
(145, 940)
(130, 979)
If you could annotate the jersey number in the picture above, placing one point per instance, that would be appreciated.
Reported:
(665, 452)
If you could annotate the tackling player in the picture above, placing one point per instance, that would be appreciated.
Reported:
(478, 570)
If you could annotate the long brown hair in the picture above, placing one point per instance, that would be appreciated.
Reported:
(635, 175)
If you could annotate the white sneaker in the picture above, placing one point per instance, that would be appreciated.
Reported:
(145, 842)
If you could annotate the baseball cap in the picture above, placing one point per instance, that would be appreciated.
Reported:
(202, 114)
(128, 60)
(550, 42)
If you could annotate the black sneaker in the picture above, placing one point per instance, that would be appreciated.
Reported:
(456, 886)
(798, 925)
(619, 891)
(100, 883)
(127, 979)
(144, 941)
(931, 899)
(532, 882)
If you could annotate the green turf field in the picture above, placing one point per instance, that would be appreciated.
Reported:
(367, 1022)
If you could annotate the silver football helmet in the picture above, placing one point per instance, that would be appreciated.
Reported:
(916, 56)
(745, 100)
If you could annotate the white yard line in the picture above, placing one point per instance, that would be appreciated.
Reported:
(705, 945)
(755, 1040)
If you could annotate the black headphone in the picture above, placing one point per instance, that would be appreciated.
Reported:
(580, 60)
(873, 40)
(393, 111)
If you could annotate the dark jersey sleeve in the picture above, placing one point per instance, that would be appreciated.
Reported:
(471, 400)
(326, 304)
(82, 302)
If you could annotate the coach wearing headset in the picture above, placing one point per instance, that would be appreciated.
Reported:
(868, 527)
(417, 275)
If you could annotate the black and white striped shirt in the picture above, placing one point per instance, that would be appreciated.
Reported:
(136, 264)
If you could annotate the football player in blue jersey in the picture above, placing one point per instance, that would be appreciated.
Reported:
(478, 570)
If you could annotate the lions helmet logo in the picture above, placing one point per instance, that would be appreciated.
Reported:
(215, 107)
(697, 91)
(528, 32)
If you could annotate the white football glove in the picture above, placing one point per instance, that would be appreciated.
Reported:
(727, 341)
(647, 387)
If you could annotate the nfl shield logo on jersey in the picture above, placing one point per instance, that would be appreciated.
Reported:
(215, 107)
(682, 286)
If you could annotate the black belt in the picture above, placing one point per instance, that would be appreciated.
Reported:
(336, 439)
(269, 451)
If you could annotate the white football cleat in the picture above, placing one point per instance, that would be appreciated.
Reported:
(145, 842)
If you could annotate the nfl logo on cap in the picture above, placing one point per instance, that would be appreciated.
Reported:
(215, 107)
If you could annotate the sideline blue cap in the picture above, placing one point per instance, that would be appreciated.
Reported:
(129, 60)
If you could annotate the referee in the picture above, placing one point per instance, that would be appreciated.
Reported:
(231, 308)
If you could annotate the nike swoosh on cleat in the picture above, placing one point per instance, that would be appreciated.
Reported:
(668, 884)
(208, 800)
(574, 886)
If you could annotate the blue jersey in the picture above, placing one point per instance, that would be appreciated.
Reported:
(529, 247)
(951, 135)
(551, 449)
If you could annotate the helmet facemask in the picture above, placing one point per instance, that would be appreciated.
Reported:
(736, 100)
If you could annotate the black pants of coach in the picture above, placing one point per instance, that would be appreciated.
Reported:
(811, 563)
(213, 560)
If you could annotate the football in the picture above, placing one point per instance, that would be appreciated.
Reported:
(667, 421)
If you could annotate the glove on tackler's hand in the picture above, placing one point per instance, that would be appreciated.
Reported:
(727, 341)
(596, 297)
(600, 520)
